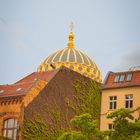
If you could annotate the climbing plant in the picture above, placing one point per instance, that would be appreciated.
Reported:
(85, 100)
(4, 138)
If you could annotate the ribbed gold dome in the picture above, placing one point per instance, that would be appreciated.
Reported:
(73, 59)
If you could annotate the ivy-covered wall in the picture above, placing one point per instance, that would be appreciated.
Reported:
(66, 95)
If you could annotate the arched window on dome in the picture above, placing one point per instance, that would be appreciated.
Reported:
(10, 128)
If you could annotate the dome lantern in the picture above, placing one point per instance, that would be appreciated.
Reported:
(71, 43)
(71, 36)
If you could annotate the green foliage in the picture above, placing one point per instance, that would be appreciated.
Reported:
(4, 138)
(35, 130)
(84, 123)
(85, 100)
(121, 114)
(125, 128)
(72, 135)
(86, 126)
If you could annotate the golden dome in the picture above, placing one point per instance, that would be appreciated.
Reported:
(74, 59)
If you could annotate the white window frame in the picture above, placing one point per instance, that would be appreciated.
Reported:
(122, 77)
(112, 127)
(113, 102)
(119, 78)
(129, 77)
(129, 100)
(10, 129)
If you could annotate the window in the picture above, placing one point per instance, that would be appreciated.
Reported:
(112, 102)
(1, 91)
(129, 77)
(129, 101)
(110, 126)
(119, 78)
(10, 128)
(18, 89)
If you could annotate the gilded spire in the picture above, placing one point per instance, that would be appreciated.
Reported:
(71, 37)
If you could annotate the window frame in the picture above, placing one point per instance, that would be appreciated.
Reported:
(128, 79)
(110, 126)
(122, 77)
(119, 78)
(112, 102)
(13, 129)
(129, 101)
(116, 79)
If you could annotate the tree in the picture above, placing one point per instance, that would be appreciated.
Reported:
(125, 127)
(72, 135)
(86, 128)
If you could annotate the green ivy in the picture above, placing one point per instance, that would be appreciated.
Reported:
(85, 100)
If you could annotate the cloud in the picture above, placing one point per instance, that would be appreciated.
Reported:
(133, 57)
(128, 58)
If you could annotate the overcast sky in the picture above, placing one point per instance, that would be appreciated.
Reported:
(106, 30)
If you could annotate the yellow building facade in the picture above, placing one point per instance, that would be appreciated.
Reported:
(120, 90)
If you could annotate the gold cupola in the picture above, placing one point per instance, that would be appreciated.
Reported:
(71, 43)
(72, 58)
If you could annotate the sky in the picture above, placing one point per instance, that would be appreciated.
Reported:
(106, 30)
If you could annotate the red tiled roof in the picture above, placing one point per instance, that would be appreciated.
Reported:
(15, 89)
(46, 76)
(22, 86)
(110, 84)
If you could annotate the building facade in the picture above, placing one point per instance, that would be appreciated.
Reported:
(15, 98)
(120, 90)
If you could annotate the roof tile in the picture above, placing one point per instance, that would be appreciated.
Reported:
(25, 84)
(109, 83)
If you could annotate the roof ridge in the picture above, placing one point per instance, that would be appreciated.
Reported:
(24, 78)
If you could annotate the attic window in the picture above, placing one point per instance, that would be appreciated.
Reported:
(119, 78)
(129, 77)
(1, 91)
(116, 78)
(18, 89)
(35, 79)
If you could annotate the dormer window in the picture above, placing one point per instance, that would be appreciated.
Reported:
(1, 91)
(18, 89)
(129, 77)
(119, 78)
(35, 79)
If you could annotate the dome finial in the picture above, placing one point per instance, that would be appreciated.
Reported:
(71, 27)
(71, 36)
